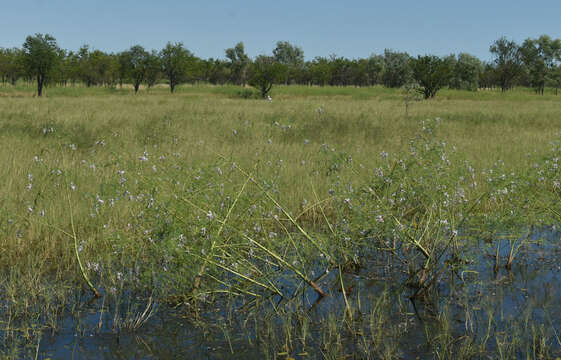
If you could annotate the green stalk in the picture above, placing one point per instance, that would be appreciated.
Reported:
(347, 306)
(84, 275)
(274, 201)
(288, 265)
(203, 267)
(253, 281)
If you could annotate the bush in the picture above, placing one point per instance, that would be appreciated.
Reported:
(247, 94)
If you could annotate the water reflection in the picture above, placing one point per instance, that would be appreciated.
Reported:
(504, 311)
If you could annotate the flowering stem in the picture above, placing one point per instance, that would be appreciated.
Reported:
(84, 275)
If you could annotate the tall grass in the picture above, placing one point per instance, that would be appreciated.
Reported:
(198, 198)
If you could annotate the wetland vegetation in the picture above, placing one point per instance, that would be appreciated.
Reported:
(326, 223)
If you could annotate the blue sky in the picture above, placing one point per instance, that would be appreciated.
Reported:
(346, 28)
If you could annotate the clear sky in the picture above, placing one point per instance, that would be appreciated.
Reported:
(321, 27)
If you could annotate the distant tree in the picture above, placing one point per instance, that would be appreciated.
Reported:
(136, 61)
(554, 79)
(95, 67)
(40, 56)
(288, 54)
(114, 70)
(216, 71)
(239, 63)
(153, 69)
(175, 61)
(83, 55)
(123, 61)
(319, 70)
(488, 76)
(11, 65)
(358, 72)
(508, 62)
(292, 57)
(341, 70)
(196, 70)
(465, 72)
(375, 69)
(432, 73)
(540, 57)
(71, 67)
(397, 71)
(62, 71)
(85, 67)
(264, 72)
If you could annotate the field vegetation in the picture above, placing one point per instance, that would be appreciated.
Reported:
(327, 222)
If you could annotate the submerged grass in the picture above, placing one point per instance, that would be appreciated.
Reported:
(199, 201)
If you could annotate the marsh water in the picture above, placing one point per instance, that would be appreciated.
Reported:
(492, 307)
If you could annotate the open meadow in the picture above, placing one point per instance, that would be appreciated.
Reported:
(328, 222)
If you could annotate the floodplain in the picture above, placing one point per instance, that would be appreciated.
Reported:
(329, 222)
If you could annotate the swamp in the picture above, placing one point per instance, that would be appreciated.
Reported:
(328, 222)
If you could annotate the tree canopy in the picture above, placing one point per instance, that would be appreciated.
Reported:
(239, 63)
(40, 56)
(175, 63)
(264, 71)
(432, 73)
(136, 62)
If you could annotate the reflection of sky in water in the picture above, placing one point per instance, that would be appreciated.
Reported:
(531, 290)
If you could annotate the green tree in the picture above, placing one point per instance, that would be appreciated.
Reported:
(397, 71)
(40, 57)
(292, 57)
(432, 73)
(375, 69)
(319, 70)
(358, 69)
(175, 62)
(153, 69)
(340, 71)
(288, 54)
(508, 62)
(466, 72)
(264, 72)
(102, 65)
(136, 62)
(540, 57)
(488, 76)
(61, 72)
(216, 71)
(11, 65)
(239, 63)
(555, 78)
(84, 66)
(71, 66)
(123, 61)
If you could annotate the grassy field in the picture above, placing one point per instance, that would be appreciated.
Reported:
(203, 196)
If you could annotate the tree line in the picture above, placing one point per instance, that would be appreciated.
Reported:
(535, 63)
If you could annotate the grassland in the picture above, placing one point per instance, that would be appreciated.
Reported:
(201, 199)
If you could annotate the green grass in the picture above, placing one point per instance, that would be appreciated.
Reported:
(203, 195)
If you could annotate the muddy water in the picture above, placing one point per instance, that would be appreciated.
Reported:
(474, 301)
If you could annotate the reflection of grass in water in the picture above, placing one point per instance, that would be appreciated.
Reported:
(156, 210)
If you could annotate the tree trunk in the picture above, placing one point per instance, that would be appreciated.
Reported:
(172, 82)
(39, 85)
